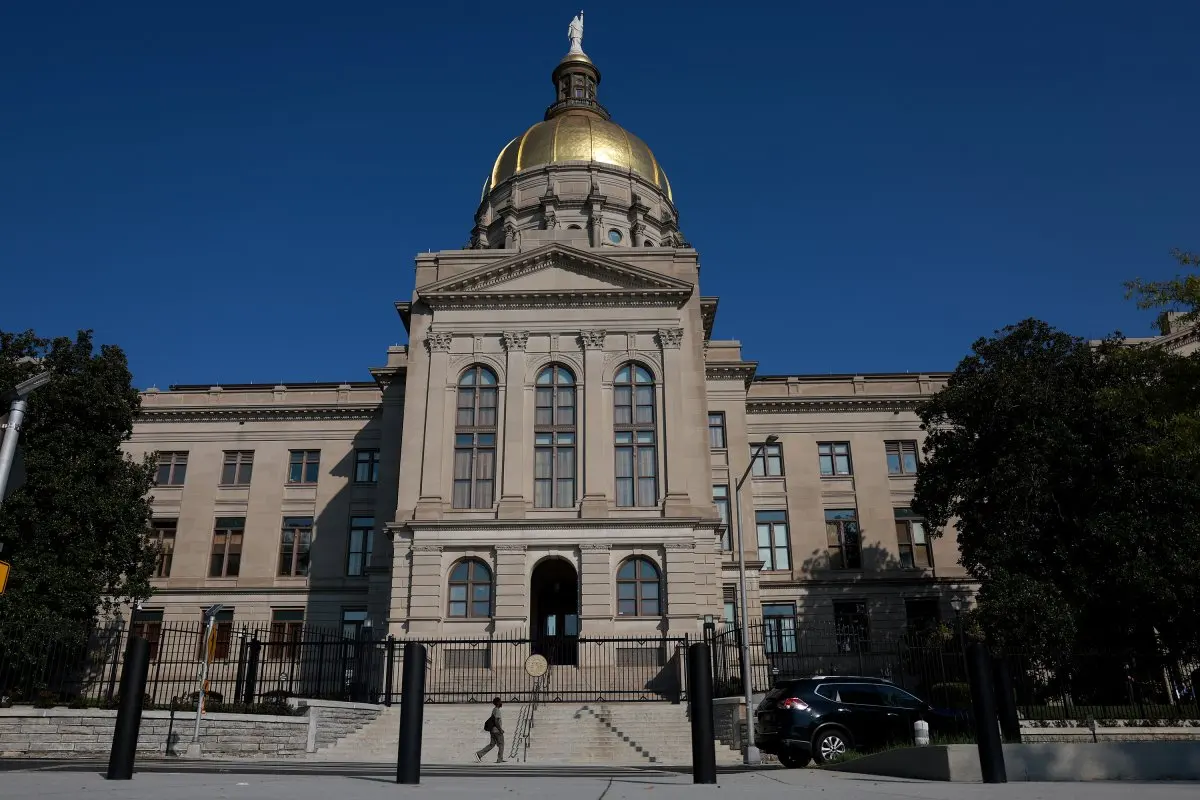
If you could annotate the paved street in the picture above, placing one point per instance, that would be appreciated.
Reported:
(53, 783)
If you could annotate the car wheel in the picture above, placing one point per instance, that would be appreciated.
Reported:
(794, 759)
(830, 744)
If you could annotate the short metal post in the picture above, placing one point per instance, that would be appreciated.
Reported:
(700, 706)
(390, 670)
(983, 704)
(1006, 702)
(412, 714)
(251, 685)
(129, 715)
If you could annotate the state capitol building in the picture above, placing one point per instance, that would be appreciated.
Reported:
(557, 449)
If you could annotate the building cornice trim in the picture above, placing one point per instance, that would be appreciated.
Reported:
(252, 414)
(800, 405)
(660, 523)
(731, 371)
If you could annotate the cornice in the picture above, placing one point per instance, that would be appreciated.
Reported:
(731, 371)
(573, 298)
(660, 523)
(255, 414)
(794, 405)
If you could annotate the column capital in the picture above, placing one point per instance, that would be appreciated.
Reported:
(670, 338)
(511, 548)
(595, 546)
(438, 341)
(515, 340)
(427, 548)
(680, 546)
(593, 339)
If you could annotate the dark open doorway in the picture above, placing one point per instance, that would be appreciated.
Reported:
(554, 611)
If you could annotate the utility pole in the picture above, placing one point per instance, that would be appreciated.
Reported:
(12, 428)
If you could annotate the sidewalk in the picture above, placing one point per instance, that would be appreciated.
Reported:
(51, 785)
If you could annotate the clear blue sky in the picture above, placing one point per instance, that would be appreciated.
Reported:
(234, 192)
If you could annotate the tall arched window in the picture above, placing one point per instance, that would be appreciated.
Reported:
(470, 590)
(475, 439)
(633, 429)
(639, 588)
(554, 439)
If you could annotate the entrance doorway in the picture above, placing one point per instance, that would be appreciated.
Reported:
(554, 611)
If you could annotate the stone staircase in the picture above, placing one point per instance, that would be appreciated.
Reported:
(636, 733)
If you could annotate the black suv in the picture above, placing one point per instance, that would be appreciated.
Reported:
(824, 716)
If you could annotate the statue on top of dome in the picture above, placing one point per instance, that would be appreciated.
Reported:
(575, 34)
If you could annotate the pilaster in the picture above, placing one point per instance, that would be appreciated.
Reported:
(425, 605)
(397, 616)
(596, 582)
(511, 609)
(513, 478)
(677, 502)
(597, 439)
(429, 506)
(681, 585)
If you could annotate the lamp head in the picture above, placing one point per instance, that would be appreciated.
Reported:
(772, 439)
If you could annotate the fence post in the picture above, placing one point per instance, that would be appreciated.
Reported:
(1006, 704)
(389, 670)
(412, 715)
(700, 705)
(239, 674)
(129, 716)
(983, 704)
(251, 683)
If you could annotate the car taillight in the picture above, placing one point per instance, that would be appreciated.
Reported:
(793, 704)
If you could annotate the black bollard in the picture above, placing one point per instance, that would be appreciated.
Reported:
(129, 715)
(252, 672)
(700, 707)
(412, 714)
(983, 705)
(1006, 701)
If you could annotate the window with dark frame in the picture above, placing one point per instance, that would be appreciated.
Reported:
(770, 463)
(842, 538)
(470, 595)
(475, 439)
(901, 457)
(237, 468)
(779, 627)
(295, 546)
(226, 558)
(773, 548)
(834, 459)
(554, 441)
(912, 540)
(721, 501)
(147, 623)
(922, 615)
(172, 468)
(162, 537)
(304, 466)
(639, 588)
(366, 466)
(287, 629)
(636, 450)
(353, 622)
(852, 626)
(716, 430)
(362, 543)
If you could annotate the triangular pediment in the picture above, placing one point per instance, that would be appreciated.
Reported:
(557, 272)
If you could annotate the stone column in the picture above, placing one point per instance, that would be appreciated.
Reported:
(597, 436)
(512, 609)
(397, 615)
(516, 447)
(429, 506)
(678, 502)
(596, 588)
(681, 586)
(425, 608)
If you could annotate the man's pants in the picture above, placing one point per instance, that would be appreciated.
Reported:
(498, 743)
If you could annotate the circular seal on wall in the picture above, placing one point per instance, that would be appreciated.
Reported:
(536, 666)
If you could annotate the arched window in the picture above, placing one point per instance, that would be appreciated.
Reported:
(470, 590)
(633, 430)
(639, 588)
(554, 438)
(475, 439)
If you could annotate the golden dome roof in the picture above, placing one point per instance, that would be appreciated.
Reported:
(578, 136)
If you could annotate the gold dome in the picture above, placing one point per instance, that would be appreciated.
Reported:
(578, 137)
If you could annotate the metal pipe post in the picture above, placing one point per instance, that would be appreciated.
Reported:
(983, 705)
(129, 715)
(700, 705)
(203, 679)
(752, 755)
(8, 446)
(1006, 702)
(412, 714)
(389, 671)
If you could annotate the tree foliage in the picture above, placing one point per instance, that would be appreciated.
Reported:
(1072, 475)
(1181, 292)
(76, 531)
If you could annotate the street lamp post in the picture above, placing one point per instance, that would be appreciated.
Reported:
(752, 756)
(12, 429)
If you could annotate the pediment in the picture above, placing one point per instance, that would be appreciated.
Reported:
(557, 273)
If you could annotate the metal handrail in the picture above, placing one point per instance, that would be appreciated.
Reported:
(525, 720)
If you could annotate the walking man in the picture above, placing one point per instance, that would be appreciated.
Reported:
(495, 728)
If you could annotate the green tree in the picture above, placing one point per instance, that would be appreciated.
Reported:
(76, 531)
(1072, 473)
(1180, 293)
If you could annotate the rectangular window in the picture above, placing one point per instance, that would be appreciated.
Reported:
(162, 537)
(912, 539)
(922, 615)
(222, 635)
(353, 621)
(729, 615)
(226, 558)
(304, 466)
(553, 469)
(834, 458)
(901, 457)
(287, 628)
(721, 501)
(172, 469)
(362, 542)
(779, 627)
(716, 430)
(238, 466)
(295, 545)
(366, 466)
(852, 626)
(637, 469)
(773, 539)
(147, 623)
(769, 463)
(474, 470)
(842, 539)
